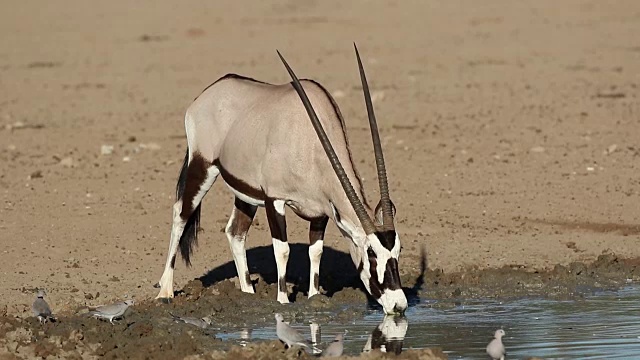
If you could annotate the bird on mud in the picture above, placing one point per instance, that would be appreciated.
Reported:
(202, 323)
(495, 349)
(112, 311)
(288, 335)
(40, 308)
(335, 348)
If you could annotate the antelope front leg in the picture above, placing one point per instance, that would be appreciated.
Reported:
(236, 230)
(316, 241)
(278, 227)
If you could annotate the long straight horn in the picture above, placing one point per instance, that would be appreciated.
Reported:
(365, 220)
(385, 200)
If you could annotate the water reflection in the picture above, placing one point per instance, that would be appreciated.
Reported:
(595, 327)
(389, 335)
(245, 336)
(316, 335)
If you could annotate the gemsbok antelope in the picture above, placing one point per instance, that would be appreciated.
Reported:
(258, 137)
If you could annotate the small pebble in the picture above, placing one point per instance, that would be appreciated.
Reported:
(67, 162)
(36, 174)
(106, 149)
(611, 149)
(149, 146)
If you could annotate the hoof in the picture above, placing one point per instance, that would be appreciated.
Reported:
(164, 300)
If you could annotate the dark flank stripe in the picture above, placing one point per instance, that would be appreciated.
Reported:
(239, 185)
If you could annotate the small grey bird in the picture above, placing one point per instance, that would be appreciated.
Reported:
(40, 308)
(495, 349)
(111, 312)
(289, 335)
(202, 323)
(335, 348)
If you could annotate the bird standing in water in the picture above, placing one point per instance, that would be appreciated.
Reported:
(289, 335)
(495, 349)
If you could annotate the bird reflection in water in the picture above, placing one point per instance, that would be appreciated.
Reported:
(245, 336)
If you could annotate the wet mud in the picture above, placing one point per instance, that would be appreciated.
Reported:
(148, 330)
(607, 272)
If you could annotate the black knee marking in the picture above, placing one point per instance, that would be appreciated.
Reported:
(173, 261)
(277, 222)
(245, 208)
(282, 285)
(243, 218)
(316, 229)
(316, 281)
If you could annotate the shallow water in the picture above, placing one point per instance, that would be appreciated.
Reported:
(601, 325)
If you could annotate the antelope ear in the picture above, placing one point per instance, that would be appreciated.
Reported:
(378, 213)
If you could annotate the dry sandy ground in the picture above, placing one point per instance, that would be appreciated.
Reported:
(510, 129)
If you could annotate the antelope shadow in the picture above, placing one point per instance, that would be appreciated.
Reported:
(337, 272)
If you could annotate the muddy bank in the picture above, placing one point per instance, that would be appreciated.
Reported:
(148, 330)
(275, 350)
(607, 272)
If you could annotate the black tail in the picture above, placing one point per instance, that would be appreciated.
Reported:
(189, 237)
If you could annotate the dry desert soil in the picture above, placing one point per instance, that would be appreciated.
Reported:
(510, 131)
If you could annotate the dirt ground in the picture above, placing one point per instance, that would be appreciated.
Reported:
(510, 132)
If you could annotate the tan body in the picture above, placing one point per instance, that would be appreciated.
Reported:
(285, 159)
(260, 139)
